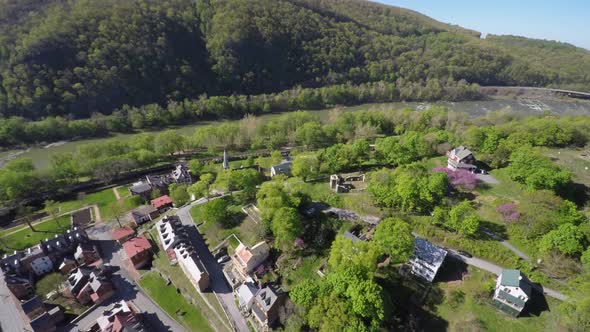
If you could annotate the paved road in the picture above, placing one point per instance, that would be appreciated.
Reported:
(497, 270)
(126, 289)
(11, 318)
(218, 283)
(506, 244)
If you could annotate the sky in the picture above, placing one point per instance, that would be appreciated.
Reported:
(563, 20)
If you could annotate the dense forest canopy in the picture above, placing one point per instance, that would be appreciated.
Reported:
(81, 57)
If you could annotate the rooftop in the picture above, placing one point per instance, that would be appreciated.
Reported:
(121, 233)
(161, 201)
(140, 188)
(136, 246)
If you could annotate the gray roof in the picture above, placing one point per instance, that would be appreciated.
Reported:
(283, 167)
(266, 297)
(511, 298)
(32, 304)
(143, 211)
(41, 323)
(428, 252)
(351, 236)
(246, 292)
(461, 152)
(140, 188)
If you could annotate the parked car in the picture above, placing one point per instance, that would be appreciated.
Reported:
(220, 253)
(223, 259)
(464, 253)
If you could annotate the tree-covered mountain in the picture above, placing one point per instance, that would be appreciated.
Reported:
(79, 57)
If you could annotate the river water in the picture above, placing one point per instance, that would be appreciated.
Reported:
(41, 156)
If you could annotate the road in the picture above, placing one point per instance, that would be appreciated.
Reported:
(218, 283)
(497, 270)
(505, 244)
(11, 318)
(155, 317)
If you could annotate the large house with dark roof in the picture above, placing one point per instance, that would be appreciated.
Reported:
(266, 306)
(143, 214)
(427, 259)
(512, 292)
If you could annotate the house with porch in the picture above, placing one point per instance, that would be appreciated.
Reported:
(461, 158)
(512, 292)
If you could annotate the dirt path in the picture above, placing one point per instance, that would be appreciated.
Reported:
(116, 192)
(97, 217)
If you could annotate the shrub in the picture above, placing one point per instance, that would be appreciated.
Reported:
(459, 179)
(508, 212)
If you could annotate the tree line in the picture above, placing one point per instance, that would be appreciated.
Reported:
(80, 59)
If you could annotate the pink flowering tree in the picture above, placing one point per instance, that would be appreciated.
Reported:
(459, 179)
(508, 212)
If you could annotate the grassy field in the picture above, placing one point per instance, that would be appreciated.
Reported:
(214, 233)
(506, 189)
(576, 161)
(105, 199)
(25, 237)
(476, 313)
(174, 303)
(299, 270)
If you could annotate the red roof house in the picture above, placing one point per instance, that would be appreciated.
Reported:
(138, 250)
(162, 203)
(122, 234)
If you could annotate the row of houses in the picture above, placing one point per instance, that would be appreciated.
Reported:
(174, 240)
(144, 187)
(262, 302)
(66, 253)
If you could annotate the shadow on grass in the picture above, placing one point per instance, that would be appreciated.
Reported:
(536, 305)
(451, 270)
(497, 229)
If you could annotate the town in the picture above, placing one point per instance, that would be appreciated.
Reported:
(189, 249)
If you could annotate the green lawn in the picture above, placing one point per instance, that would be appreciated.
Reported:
(506, 189)
(476, 313)
(178, 278)
(574, 161)
(123, 191)
(300, 269)
(25, 237)
(214, 233)
(105, 199)
(173, 303)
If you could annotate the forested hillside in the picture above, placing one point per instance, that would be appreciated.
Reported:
(76, 58)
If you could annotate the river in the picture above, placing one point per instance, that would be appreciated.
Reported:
(41, 156)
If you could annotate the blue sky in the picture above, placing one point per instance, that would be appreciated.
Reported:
(565, 20)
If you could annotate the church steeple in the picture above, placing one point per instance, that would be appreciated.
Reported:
(225, 161)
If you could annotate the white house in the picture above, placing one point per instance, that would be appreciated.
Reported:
(192, 267)
(247, 259)
(512, 292)
(282, 168)
(246, 294)
(460, 158)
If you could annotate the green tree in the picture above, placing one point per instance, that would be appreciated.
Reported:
(52, 208)
(305, 166)
(464, 219)
(168, 142)
(179, 194)
(216, 212)
(286, 226)
(362, 255)
(566, 239)
(395, 238)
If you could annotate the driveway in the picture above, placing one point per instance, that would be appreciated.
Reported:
(218, 283)
(156, 318)
(506, 244)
